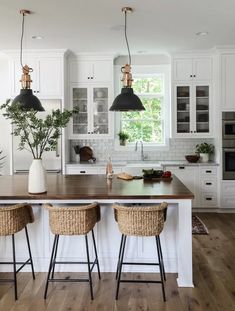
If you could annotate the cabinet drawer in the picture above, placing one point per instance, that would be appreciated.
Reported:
(209, 199)
(228, 202)
(81, 171)
(208, 171)
(208, 185)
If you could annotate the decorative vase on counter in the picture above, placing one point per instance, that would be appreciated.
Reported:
(37, 177)
(204, 157)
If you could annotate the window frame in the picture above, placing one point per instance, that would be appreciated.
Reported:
(148, 71)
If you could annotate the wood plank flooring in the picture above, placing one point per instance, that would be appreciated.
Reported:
(214, 279)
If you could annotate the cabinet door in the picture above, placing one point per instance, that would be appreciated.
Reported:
(80, 71)
(183, 108)
(227, 79)
(100, 110)
(189, 176)
(202, 109)
(79, 97)
(202, 69)
(102, 71)
(183, 69)
(49, 77)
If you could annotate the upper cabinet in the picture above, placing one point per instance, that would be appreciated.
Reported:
(192, 69)
(47, 76)
(227, 81)
(91, 91)
(90, 71)
(191, 97)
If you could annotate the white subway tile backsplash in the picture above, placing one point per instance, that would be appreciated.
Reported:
(178, 148)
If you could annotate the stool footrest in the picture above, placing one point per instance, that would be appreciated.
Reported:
(141, 263)
(22, 263)
(140, 281)
(68, 280)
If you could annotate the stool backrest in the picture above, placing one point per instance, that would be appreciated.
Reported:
(140, 220)
(73, 219)
(14, 218)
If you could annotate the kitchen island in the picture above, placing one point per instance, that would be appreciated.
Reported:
(73, 189)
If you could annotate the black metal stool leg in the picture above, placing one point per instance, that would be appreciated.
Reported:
(50, 266)
(120, 266)
(160, 249)
(30, 254)
(54, 259)
(161, 271)
(89, 267)
(119, 256)
(14, 265)
(96, 256)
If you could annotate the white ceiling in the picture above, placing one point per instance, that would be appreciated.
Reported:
(156, 26)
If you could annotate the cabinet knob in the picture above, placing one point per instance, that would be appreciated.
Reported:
(92, 77)
(82, 172)
(191, 76)
(208, 183)
(191, 131)
(194, 131)
(208, 199)
(194, 76)
(88, 132)
(208, 172)
(88, 78)
(37, 91)
(181, 167)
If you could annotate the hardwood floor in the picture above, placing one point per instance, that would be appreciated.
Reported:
(214, 279)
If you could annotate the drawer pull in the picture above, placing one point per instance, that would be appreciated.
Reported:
(208, 171)
(83, 172)
(208, 183)
(181, 167)
(208, 199)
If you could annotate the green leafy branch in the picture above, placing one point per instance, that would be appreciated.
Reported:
(36, 134)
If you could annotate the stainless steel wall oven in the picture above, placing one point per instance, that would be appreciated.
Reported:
(228, 132)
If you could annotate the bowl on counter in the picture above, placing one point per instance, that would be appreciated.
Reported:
(192, 158)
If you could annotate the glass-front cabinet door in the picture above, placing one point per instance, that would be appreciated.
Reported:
(202, 109)
(80, 101)
(183, 95)
(100, 110)
(192, 110)
(93, 118)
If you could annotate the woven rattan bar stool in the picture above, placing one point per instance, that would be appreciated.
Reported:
(140, 221)
(72, 220)
(13, 219)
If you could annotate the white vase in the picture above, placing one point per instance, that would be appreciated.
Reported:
(37, 177)
(204, 157)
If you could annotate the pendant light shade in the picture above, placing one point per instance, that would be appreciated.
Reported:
(26, 99)
(127, 100)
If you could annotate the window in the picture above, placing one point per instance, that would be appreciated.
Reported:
(152, 125)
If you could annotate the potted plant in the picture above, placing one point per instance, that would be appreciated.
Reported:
(37, 135)
(205, 150)
(123, 136)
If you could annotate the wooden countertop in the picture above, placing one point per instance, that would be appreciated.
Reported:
(70, 187)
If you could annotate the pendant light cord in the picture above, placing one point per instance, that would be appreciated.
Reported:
(127, 43)
(21, 41)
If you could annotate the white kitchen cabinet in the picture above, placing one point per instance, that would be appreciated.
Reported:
(91, 71)
(201, 180)
(192, 110)
(227, 194)
(94, 119)
(47, 76)
(81, 170)
(189, 177)
(91, 91)
(192, 69)
(227, 82)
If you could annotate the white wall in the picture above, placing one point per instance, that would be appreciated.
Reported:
(5, 129)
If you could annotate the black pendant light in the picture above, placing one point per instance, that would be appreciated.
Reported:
(26, 99)
(127, 100)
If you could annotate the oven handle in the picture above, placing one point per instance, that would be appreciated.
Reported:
(229, 149)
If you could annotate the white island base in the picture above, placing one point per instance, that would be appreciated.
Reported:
(176, 241)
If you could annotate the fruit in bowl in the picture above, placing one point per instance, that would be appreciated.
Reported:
(192, 158)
